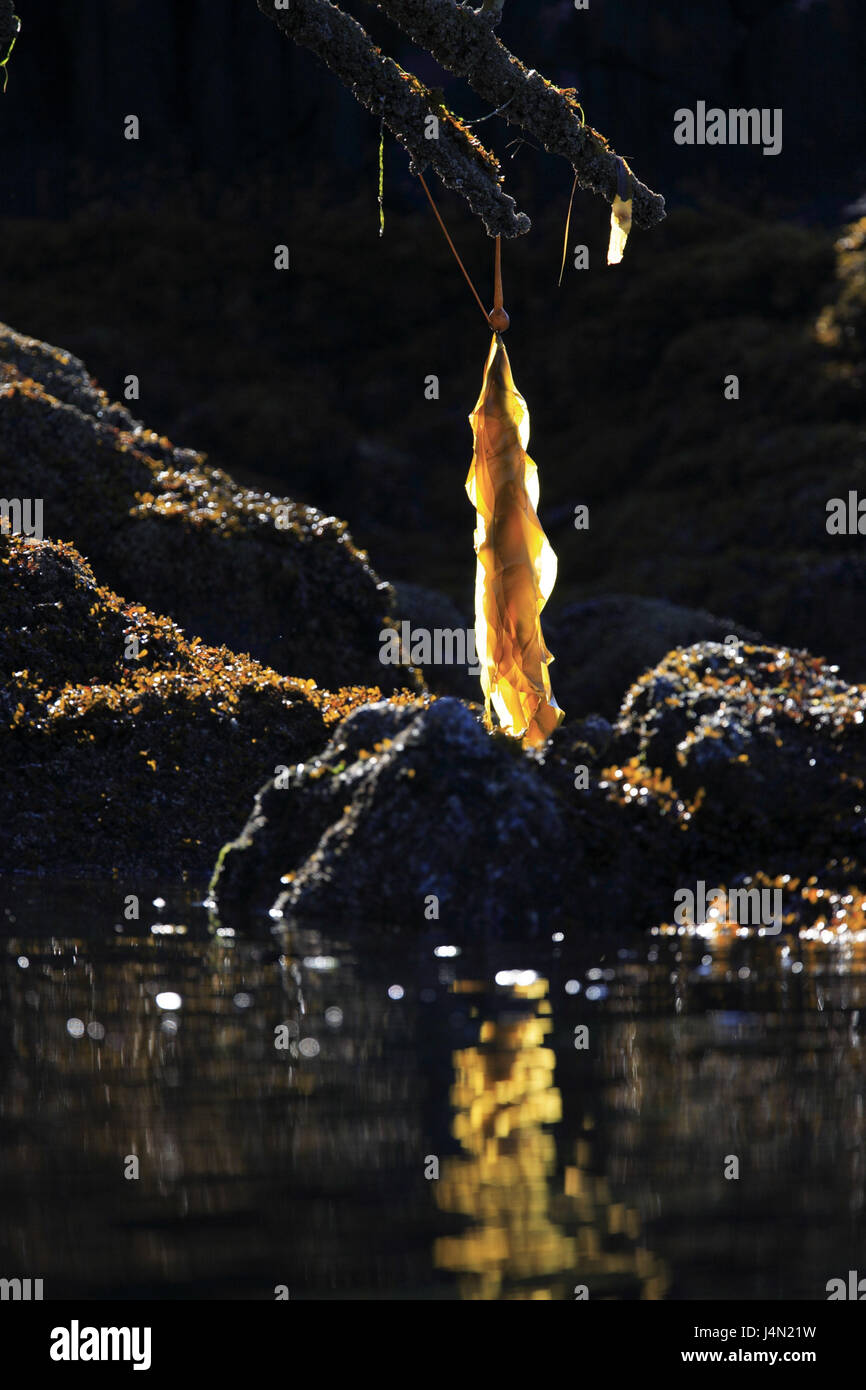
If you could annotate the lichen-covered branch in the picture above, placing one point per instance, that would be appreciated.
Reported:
(462, 40)
(406, 106)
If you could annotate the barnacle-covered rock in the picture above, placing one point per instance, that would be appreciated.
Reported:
(764, 747)
(239, 566)
(415, 815)
(124, 745)
(410, 815)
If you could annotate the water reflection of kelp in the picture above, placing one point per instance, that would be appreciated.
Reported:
(537, 1233)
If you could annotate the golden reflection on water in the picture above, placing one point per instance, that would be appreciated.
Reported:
(531, 1227)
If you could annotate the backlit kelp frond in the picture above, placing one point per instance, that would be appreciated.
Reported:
(516, 566)
(620, 226)
(620, 213)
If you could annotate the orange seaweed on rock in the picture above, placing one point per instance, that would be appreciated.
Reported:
(124, 744)
(516, 568)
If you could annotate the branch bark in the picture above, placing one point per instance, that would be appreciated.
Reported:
(462, 40)
(380, 84)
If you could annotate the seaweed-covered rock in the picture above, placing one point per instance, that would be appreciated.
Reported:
(728, 762)
(825, 910)
(408, 813)
(123, 745)
(235, 565)
(765, 746)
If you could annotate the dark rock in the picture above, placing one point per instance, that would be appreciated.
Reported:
(417, 800)
(404, 804)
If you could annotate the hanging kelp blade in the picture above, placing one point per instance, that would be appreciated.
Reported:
(620, 213)
(516, 566)
(620, 226)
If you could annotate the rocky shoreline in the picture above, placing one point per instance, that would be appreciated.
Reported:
(255, 736)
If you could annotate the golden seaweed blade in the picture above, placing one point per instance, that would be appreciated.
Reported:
(620, 226)
(516, 568)
(620, 212)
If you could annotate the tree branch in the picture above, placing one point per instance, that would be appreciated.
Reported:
(405, 104)
(462, 40)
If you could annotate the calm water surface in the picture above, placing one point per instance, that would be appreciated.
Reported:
(290, 1100)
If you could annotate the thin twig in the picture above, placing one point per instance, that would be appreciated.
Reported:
(478, 119)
